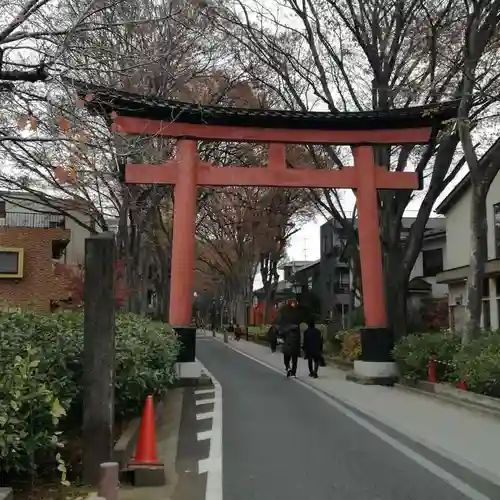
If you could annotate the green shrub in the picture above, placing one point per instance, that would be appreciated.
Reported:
(479, 364)
(145, 356)
(413, 353)
(41, 379)
(29, 411)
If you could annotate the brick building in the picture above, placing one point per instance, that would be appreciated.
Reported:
(41, 283)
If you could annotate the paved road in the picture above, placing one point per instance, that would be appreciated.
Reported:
(281, 441)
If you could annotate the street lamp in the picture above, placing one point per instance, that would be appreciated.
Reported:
(297, 290)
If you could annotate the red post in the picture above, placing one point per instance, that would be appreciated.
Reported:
(369, 238)
(431, 371)
(183, 249)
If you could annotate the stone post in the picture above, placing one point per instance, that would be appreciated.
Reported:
(109, 481)
(98, 354)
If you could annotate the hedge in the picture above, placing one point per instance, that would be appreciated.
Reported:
(41, 379)
(478, 363)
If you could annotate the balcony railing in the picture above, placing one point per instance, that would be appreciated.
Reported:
(44, 220)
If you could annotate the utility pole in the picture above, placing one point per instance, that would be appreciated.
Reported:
(305, 247)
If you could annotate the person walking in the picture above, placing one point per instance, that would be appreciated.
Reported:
(237, 332)
(291, 349)
(272, 337)
(313, 347)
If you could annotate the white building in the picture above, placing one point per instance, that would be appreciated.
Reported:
(457, 208)
(430, 260)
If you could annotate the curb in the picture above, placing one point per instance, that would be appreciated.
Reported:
(342, 364)
(450, 399)
(6, 494)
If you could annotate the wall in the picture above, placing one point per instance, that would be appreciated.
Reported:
(438, 289)
(492, 198)
(40, 284)
(75, 251)
(458, 218)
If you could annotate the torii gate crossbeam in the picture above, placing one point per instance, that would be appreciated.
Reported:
(190, 123)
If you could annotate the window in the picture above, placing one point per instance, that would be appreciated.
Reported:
(2, 210)
(324, 239)
(486, 287)
(432, 261)
(11, 262)
(288, 273)
(342, 282)
(344, 278)
(486, 314)
(344, 255)
(496, 218)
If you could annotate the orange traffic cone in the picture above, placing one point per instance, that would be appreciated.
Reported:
(145, 452)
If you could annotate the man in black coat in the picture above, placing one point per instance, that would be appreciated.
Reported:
(313, 347)
(291, 349)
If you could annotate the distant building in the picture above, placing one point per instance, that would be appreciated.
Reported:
(424, 291)
(285, 293)
(38, 248)
(335, 273)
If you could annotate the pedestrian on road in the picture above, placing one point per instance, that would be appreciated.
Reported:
(272, 337)
(237, 332)
(313, 347)
(230, 328)
(291, 349)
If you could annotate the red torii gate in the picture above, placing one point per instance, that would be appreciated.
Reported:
(140, 115)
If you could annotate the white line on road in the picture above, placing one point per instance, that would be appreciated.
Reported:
(202, 436)
(213, 464)
(205, 401)
(204, 416)
(441, 473)
(199, 392)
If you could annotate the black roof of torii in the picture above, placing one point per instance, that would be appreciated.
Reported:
(106, 100)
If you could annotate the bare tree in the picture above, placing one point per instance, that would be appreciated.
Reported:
(159, 48)
(379, 54)
(483, 18)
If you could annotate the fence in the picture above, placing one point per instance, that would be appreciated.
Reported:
(44, 220)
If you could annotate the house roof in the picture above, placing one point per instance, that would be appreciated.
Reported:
(419, 285)
(106, 100)
(454, 195)
(76, 203)
(435, 225)
(460, 189)
(308, 266)
(297, 263)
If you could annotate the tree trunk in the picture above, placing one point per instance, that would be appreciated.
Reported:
(396, 292)
(478, 257)
(396, 299)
